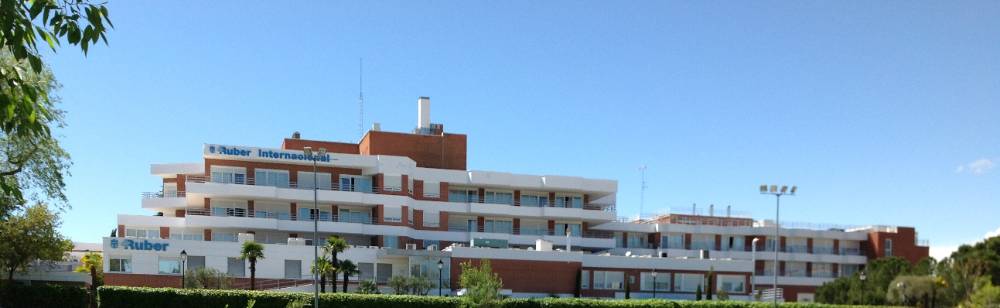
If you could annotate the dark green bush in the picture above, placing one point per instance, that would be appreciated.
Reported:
(42, 295)
(115, 297)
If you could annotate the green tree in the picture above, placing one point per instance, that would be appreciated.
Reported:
(985, 295)
(399, 284)
(333, 246)
(908, 290)
(93, 264)
(323, 268)
(28, 104)
(33, 163)
(32, 234)
(709, 285)
(482, 286)
(348, 269)
(368, 287)
(871, 291)
(697, 293)
(252, 251)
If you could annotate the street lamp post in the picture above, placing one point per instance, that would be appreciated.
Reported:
(440, 277)
(654, 283)
(777, 229)
(753, 275)
(315, 217)
(184, 256)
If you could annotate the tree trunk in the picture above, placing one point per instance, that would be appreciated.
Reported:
(253, 274)
(334, 263)
(345, 281)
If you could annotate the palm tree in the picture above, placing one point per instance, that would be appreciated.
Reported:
(252, 251)
(323, 268)
(348, 269)
(334, 245)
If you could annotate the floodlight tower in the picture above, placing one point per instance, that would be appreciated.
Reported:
(773, 190)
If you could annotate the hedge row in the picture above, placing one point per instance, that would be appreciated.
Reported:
(115, 297)
(42, 295)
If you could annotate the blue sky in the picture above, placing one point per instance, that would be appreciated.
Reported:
(881, 112)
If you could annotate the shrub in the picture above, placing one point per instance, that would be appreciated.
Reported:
(42, 295)
(368, 287)
(207, 278)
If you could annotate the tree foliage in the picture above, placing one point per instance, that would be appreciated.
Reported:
(252, 251)
(92, 262)
(32, 164)
(207, 278)
(482, 286)
(31, 234)
(870, 291)
(348, 269)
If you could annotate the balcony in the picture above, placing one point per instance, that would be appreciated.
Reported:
(293, 185)
(161, 200)
(229, 212)
(533, 231)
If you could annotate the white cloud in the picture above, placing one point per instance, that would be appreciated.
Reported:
(977, 167)
(993, 233)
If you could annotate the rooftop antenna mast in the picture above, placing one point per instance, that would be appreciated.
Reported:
(642, 190)
(361, 98)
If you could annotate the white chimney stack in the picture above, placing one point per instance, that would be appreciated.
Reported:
(424, 113)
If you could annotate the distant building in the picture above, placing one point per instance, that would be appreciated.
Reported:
(406, 201)
(62, 271)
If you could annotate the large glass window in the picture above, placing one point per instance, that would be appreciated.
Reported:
(390, 241)
(608, 280)
(662, 281)
(824, 270)
(142, 233)
(688, 282)
(293, 269)
(271, 177)
(848, 270)
(463, 195)
(795, 269)
(732, 243)
(354, 216)
(888, 247)
(310, 214)
(355, 183)
(229, 175)
(432, 189)
(499, 197)
(367, 271)
(120, 264)
(569, 201)
(574, 229)
(222, 236)
(823, 246)
(169, 265)
(732, 284)
(308, 180)
(383, 272)
(584, 280)
(703, 241)
(498, 226)
(637, 240)
(534, 200)
(236, 267)
(673, 241)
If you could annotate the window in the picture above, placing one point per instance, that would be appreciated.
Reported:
(888, 247)
(270, 177)
(220, 236)
(384, 271)
(121, 265)
(673, 240)
(498, 226)
(499, 197)
(534, 200)
(169, 190)
(307, 180)
(822, 246)
(575, 202)
(310, 214)
(142, 233)
(824, 270)
(605, 280)
(229, 175)
(732, 284)
(584, 280)
(194, 262)
(235, 267)
(293, 269)
(367, 271)
(688, 282)
(636, 240)
(170, 266)
(795, 269)
(354, 216)
(355, 183)
(435, 243)
(390, 241)
(392, 182)
(848, 270)
(768, 268)
(463, 195)
(662, 281)
(732, 243)
(703, 241)
(432, 189)
(797, 245)
(574, 229)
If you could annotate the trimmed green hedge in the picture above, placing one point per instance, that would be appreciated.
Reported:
(115, 297)
(42, 295)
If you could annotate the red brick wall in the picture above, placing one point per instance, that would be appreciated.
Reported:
(903, 245)
(165, 232)
(528, 276)
(446, 151)
(138, 280)
(330, 146)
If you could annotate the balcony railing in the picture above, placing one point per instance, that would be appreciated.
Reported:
(533, 231)
(850, 252)
(161, 194)
(294, 185)
(281, 216)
